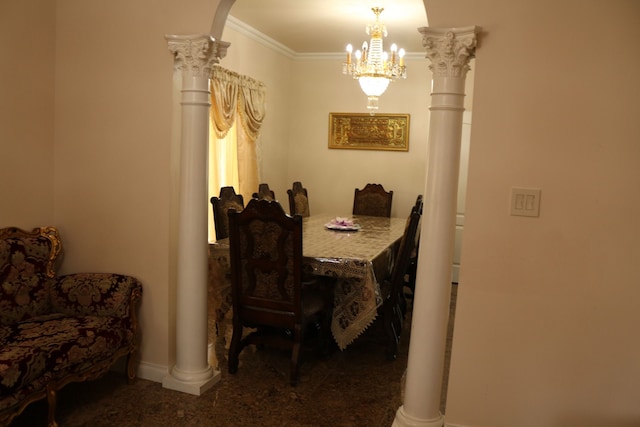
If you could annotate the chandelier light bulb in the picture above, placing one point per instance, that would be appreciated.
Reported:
(348, 63)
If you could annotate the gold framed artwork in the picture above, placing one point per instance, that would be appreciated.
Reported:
(363, 131)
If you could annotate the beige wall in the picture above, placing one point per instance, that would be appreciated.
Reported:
(27, 31)
(272, 67)
(546, 331)
(115, 171)
(547, 321)
(331, 175)
(105, 151)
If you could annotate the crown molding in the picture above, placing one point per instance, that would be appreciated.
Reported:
(250, 32)
(263, 39)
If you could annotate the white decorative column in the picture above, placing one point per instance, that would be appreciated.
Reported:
(449, 51)
(194, 56)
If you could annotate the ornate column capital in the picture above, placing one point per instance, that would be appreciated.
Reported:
(449, 49)
(196, 55)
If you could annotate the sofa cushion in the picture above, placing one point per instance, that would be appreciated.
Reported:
(23, 278)
(86, 294)
(55, 345)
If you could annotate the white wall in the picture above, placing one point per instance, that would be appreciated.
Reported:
(547, 315)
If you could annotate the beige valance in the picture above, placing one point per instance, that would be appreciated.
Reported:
(231, 92)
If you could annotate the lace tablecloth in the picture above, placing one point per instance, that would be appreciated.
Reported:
(355, 258)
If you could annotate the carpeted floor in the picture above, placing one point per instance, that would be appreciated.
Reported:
(356, 387)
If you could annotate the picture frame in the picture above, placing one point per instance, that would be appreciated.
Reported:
(363, 131)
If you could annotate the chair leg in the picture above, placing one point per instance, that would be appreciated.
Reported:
(402, 301)
(298, 337)
(410, 280)
(234, 348)
(52, 400)
(326, 336)
(131, 366)
(392, 319)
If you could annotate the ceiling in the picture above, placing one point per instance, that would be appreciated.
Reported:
(326, 26)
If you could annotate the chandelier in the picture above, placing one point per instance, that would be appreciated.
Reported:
(372, 67)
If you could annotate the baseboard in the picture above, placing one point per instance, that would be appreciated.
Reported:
(146, 371)
(152, 372)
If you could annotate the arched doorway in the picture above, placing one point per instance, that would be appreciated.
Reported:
(444, 141)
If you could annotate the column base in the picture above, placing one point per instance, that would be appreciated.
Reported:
(195, 386)
(404, 420)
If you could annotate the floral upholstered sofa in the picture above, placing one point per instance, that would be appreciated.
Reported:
(57, 329)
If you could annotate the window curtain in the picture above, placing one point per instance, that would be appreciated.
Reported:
(223, 161)
(239, 100)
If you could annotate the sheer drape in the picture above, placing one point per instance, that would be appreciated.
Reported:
(238, 105)
(223, 161)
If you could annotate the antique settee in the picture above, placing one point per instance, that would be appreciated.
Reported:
(55, 330)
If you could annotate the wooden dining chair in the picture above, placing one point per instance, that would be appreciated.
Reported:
(228, 199)
(419, 203)
(298, 200)
(394, 305)
(410, 276)
(264, 192)
(267, 292)
(372, 200)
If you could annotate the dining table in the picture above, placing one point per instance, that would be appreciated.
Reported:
(358, 255)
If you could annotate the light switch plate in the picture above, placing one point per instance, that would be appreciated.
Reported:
(525, 201)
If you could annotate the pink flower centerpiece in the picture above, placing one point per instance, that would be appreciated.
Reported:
(342, 223)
